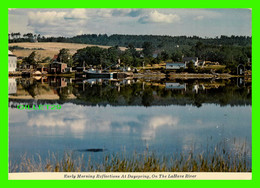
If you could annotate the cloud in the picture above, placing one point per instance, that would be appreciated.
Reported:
(199, 13)
(157, 122)
(60, 22)
(89, 121)
(104, 13)
(198, 18)
(116, 13)
(45, 18)
(157, 17)
(78, 13)
(127, 12)
(55, 17)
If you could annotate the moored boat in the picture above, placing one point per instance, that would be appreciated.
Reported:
(92, 73)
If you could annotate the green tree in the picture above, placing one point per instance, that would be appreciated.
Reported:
(113, 54)
(31, 59)
(191, 68)
(165, 56)
(94, 56)
(176, 56)
(132, 50)
(65, 57)
(148, 49)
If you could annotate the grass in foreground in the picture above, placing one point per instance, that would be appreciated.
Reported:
(146, 162)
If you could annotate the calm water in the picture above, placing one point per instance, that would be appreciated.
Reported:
(166, 116)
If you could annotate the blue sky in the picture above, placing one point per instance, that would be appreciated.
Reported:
(173, 22)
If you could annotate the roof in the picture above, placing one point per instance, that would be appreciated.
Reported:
(10, 53)
(175, 62)
(190, 58)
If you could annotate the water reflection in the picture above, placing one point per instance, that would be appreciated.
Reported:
(129, 115)
(164, 129)
(132, 92)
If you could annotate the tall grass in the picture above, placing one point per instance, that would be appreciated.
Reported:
(217, 161)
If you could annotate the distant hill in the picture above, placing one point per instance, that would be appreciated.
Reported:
(48, 49)
(159, 41)
(162, 42)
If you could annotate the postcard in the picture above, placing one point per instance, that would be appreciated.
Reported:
(130, 94)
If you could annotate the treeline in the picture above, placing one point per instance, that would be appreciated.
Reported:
(231, 56)
(229, 51)
(159, 41)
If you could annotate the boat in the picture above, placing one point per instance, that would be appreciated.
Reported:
(92, 73)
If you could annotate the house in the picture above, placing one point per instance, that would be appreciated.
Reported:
(57, 67)
(175, 65)
(12, 87)
(191, 59)
(26, 66)
(12, 62)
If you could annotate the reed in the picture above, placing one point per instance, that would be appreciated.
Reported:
(217, 161)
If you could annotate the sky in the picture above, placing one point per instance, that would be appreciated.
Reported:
(172, 22)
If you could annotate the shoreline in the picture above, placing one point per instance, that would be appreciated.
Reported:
(153, 75)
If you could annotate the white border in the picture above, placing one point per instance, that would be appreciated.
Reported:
(131, 176)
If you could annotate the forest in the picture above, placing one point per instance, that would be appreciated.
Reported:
(226, 50)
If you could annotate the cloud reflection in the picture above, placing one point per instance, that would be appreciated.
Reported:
(80, 121)
(156, 123)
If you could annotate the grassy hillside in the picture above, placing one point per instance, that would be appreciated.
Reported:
(49, 48)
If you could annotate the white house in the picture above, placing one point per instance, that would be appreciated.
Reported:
(12, 86)
(12, 62)
(175, 65)
(195, 60)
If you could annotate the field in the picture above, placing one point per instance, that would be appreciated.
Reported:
(50, 48)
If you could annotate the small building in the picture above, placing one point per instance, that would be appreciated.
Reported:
(26, 66)
(195, 60)
(57, 67)
(175, 65)
(12, 86)
(12, 62)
